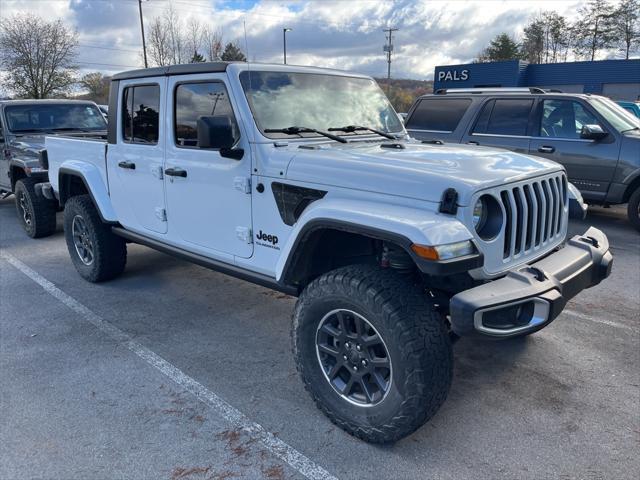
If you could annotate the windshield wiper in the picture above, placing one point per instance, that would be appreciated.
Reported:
(357, 128)
(31, 130)
(72, 129)
(299, 130)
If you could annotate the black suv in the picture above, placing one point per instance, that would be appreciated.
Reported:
(596, 140)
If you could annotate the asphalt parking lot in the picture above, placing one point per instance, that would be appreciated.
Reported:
(169, 371)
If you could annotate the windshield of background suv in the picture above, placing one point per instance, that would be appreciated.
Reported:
(614, 114)
(282, 99)
(34, 118)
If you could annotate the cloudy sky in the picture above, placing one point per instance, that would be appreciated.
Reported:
(345, 34)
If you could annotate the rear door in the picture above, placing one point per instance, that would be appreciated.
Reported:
(590, 164)
(437, 118)
(503, 122)
(209, 209)
(135, 162)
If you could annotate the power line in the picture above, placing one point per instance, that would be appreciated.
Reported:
(109, 64)
(85, 45)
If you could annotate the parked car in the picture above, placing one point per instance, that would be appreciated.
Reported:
(304, 180)
(632, 107)
(596, 141)
(23, 126)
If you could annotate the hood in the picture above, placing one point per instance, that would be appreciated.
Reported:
(28, 143)
(420, 171)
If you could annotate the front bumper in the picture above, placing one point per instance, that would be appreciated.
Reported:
(531, 297)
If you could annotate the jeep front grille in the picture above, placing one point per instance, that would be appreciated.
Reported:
(533, 214)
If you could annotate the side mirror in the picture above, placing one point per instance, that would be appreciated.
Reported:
(592, 132)
(215, 132)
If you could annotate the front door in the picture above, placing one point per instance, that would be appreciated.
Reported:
(208, 195)
(590, 164)
(135, 162)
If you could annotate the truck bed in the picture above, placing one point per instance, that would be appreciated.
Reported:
(76, 152)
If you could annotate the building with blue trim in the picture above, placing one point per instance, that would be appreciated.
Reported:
(617, 79)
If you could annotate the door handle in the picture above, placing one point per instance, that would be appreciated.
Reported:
(473, 142)
(129, 165)
(175, 172)
(546, 149)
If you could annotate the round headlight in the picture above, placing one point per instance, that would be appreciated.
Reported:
(487, 217)
(479, 214)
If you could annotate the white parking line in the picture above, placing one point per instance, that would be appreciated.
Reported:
(277, 447)
(583, 316)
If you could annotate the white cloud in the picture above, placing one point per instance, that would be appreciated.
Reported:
(341, 34)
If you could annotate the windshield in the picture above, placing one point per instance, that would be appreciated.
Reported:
(33, 118)
(615, 114)
(280, 100)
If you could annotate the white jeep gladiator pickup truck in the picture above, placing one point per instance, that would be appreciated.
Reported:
(305, 181)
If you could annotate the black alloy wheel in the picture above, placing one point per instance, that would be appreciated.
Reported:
(82, 240)
(353, 357)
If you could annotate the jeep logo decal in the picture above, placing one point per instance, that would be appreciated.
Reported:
(272, 239)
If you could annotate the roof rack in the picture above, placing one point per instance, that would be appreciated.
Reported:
(480, 90)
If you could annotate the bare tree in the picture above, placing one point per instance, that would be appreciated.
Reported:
(533, 41)
(557, 36)
(546, 38)
(37, 55)
(593, 31)
(171, 41)
(626, 26)
(212, 43)
(194, 39)
(158, 42)
(176, 35)
(97, 85)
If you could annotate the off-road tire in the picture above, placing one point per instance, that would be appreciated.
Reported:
(414, 333)
(633, 209)
(38, 219)
(109, 250)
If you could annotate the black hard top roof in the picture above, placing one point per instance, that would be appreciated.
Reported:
(206, 67)
(34, 101)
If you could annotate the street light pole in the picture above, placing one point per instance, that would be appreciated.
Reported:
(144, 44)
(284, 42)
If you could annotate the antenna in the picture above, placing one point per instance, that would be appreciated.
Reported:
(388, 48)
(246, 44)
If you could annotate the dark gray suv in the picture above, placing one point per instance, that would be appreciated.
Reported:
(596, 140)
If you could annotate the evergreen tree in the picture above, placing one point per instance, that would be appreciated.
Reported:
(501, 48)
(232, 52)
(197, 58)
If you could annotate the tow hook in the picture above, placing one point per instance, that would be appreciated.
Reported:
(590, 240)
(539, 274)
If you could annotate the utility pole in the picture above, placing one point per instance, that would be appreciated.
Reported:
(284, 42)
(388, 48)
(144, 44)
